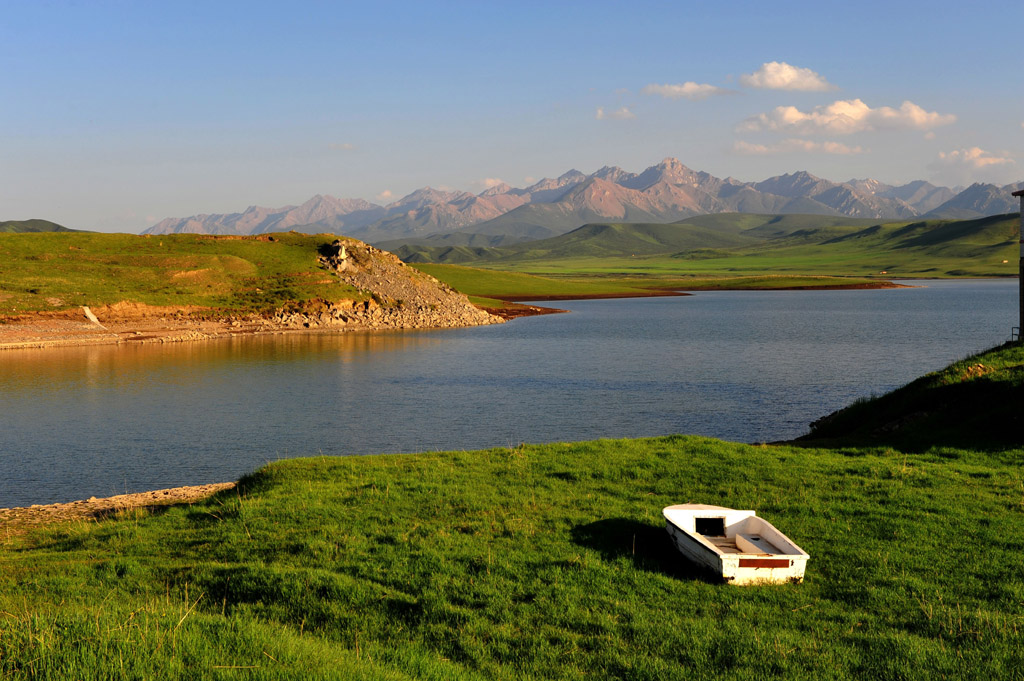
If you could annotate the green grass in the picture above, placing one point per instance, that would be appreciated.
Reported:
(498, 284)
(973, 403)
(752, 245)
(546, 562)
(490, 287)
(61, 271)
(35, 225)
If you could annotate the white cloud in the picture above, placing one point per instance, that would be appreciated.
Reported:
(384, 195)
(778, 75)
(489, 182)
(622, 114)
(794, 145)
(689, 90)
(964, 166)
(975, 157)
(341, 146)
(845, 117)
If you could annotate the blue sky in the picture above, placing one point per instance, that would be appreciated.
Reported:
(115, 115)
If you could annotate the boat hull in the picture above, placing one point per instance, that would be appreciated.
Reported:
(749, 551)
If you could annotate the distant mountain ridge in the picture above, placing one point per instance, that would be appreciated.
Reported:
(666, 192)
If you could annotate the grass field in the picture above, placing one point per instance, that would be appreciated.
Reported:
(541, 562)
(732, 245)
(489, 286)
(55, 271)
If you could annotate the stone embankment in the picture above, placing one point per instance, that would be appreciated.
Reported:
(389, 295)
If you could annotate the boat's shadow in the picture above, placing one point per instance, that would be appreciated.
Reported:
(648, 546)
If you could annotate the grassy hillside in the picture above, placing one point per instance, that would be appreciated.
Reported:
(773, 225)
(541, 220)
(976, 403)
(503, 285)
(740, 244)
(60, 271)
(12, 226)
(545, 562)
(592, 241)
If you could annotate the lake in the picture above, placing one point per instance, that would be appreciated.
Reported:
(749, 366)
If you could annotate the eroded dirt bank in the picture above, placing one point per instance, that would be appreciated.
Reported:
(15, 521)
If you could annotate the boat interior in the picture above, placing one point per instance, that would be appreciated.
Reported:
(714, 531)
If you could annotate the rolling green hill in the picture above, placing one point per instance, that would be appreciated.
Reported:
(595, 240)
(35, 225)
(733, 244)
(57, 271)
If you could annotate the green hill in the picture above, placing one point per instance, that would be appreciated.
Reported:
(975, 403)
(595, 241)
(56, 271)
(747, 244)
(769, 225)
(35, 225)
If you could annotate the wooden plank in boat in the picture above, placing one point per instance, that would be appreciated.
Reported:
(755, 543)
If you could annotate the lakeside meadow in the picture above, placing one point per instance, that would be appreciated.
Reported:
(551, 562)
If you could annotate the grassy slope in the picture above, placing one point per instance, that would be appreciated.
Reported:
(59, 271)
(590, 241)
(514, 285)
(487, 284)
(35, 225)
(537, 562)
(975, 403)
(774, 244)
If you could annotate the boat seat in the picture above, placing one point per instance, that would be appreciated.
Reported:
(755, 543)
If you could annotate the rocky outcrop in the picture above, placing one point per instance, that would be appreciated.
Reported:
(394, 295)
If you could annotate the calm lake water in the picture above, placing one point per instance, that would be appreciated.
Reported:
(745, 366)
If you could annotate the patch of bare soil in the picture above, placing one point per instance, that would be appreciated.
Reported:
(516, 310)
(14, 521)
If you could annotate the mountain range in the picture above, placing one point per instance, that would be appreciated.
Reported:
(666, 192)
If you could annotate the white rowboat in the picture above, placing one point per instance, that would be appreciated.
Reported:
(737, 545)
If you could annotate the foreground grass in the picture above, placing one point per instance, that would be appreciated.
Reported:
(56, 271)
(540, 562)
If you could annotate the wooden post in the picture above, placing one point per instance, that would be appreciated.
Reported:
(1020, 319)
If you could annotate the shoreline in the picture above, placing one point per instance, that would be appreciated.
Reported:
(678, 291)
(134, 323)
(129, 323)
(19, 519)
